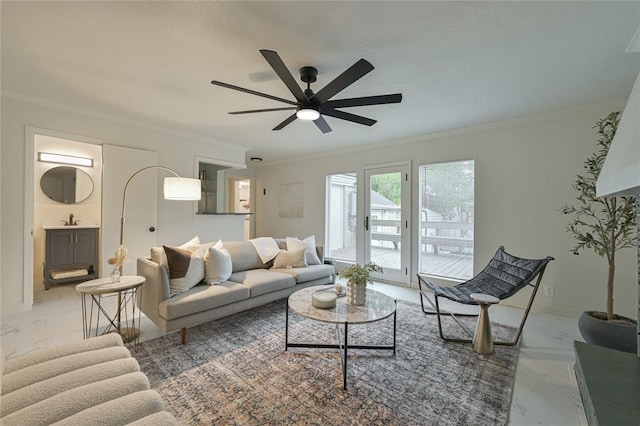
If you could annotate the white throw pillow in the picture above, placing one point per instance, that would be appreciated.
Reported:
(158, 256)
(201, 249)
(186, 269)
(309, 245)
(290, 259)
(217, 264)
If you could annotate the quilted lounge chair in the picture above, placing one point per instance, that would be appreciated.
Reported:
(503, 277)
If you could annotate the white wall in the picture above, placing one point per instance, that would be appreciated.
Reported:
(524, 171)
(176, 221)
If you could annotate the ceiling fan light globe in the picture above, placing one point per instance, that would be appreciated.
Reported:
(308, 114)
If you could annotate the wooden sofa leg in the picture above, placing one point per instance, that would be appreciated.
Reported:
(183, 335)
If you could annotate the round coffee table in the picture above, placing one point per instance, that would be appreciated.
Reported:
(378, 306)
(125, 290)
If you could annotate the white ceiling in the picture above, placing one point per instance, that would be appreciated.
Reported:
(457, 64)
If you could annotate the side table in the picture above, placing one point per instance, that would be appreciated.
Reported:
(126, 290)
(482, 339)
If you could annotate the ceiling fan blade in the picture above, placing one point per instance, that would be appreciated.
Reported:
(289, 120)
(322, 124)
(283, 72)
(251, 92)
(251, 111)
(348, 116)
(351, 75)
(364, 101)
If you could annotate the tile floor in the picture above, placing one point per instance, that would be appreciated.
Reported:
(545, 390)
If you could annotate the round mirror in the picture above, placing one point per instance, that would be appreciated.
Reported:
(66, 184)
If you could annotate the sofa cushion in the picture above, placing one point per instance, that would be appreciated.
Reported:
(290, 259)
(243, 256)
(41, 390)
(310, 273)
(18, 379)
(217, 264)
(186, 269)
(262, 281)
(202, 298)
(57, 407)
(125, 410)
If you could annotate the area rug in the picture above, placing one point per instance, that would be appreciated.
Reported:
(235, 371)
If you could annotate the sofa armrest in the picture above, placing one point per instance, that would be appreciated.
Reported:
(154, 290)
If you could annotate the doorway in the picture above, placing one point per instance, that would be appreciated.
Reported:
(240, 200)
(56, 191)
(387, 233)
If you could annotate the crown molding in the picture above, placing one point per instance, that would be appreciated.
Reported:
(122, 120)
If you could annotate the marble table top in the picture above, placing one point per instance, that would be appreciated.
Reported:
(377, 306)
(104, 285)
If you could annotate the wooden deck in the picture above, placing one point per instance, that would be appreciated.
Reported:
(441, 264)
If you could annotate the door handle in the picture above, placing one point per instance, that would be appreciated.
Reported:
(366, 223)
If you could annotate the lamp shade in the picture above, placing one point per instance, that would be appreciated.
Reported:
(177, 188)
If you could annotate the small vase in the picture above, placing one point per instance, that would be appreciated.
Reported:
(356, 294)
(115, 274)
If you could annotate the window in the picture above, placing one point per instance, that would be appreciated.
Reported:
(341, 217)
(446, 219)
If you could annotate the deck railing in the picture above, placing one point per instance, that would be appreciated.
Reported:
(436, 234)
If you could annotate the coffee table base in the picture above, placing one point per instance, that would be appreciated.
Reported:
(342, 346)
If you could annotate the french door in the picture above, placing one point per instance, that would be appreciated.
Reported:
(387, 221)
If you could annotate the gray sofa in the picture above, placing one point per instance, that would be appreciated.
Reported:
(251, 284)
(91, 382)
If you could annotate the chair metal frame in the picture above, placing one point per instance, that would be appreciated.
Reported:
(538, 272)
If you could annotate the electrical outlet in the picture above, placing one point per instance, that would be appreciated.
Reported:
(548, 290)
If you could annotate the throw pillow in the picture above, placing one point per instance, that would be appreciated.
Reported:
(186, 269)
(158, 256)
(202, 249)
(290, 259)
(309, 244)
(217, 264)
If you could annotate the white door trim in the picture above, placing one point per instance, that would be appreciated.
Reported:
(30, 158)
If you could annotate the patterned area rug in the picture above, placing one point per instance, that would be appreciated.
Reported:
(235, 371)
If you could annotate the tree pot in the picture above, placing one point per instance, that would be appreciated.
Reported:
(622, 336)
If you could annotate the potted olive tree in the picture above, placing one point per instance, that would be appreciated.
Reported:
(357, 277)
(605, 225)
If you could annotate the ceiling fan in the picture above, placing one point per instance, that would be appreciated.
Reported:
(313, 106)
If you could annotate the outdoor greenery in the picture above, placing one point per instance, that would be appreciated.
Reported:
(604, 224)
(357, 274)
(388, 185)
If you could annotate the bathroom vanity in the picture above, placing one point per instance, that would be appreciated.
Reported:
(71, 254)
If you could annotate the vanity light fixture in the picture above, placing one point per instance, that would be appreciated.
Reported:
(48, 157)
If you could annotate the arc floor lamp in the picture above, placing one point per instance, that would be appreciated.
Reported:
(175, 188)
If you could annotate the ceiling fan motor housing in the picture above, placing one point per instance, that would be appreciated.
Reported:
(308, 74)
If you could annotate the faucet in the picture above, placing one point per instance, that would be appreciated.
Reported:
(70, 222)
